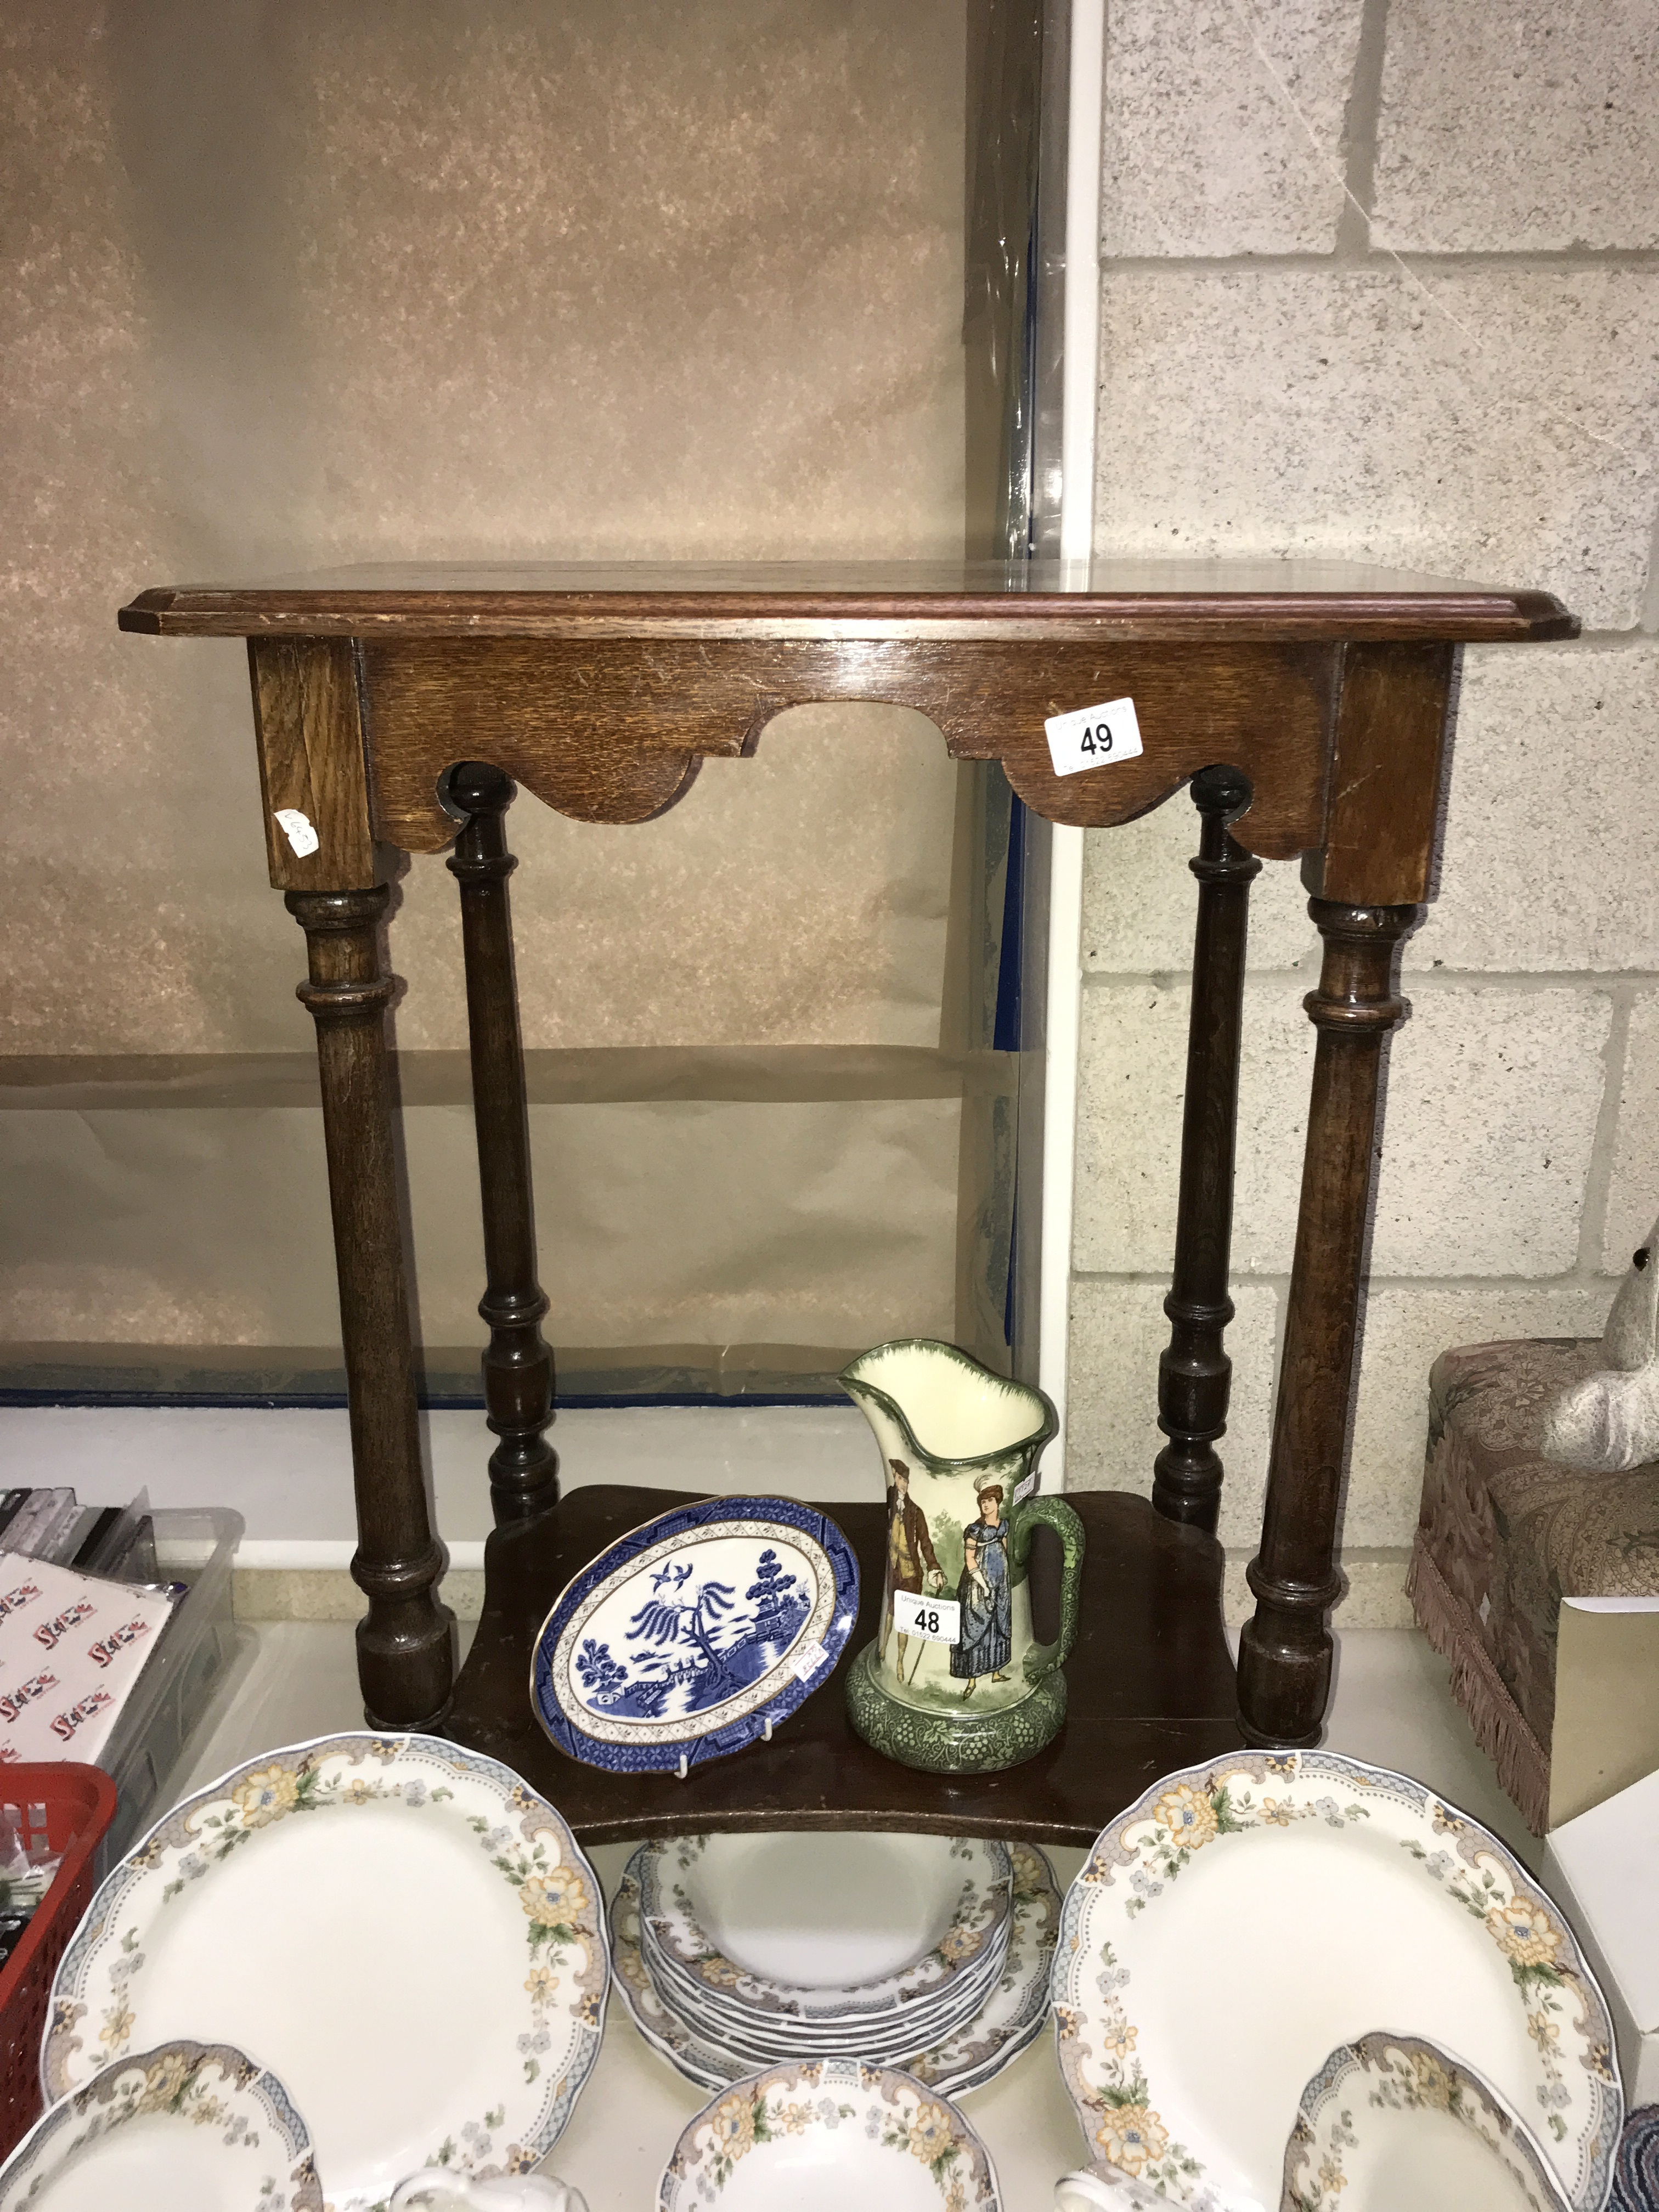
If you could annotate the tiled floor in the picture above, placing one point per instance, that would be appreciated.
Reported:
(1392, 1706)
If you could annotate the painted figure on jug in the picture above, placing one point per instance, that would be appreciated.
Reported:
(910, 1560)
(986, 1596)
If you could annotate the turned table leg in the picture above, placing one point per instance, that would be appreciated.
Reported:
(406, 1644)
(1194, 1373)
(518, 1366)
(1284, 1654)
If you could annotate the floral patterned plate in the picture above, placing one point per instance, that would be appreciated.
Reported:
(306, 1905)
(1392, 2124)
(865, 1927)
(694, 1635)
(188, 2123)
(826, 2133)
(975, 2053)
(1244, 1919)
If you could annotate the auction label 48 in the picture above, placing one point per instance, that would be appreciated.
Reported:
(935, 1620)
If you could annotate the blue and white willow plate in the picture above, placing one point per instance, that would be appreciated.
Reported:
(401, 1928)
(694, 1635)
(189, 2124)
(1244, 1919)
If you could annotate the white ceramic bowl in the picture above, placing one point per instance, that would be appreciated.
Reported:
(831, 1930)
(1394, 2124)
(826, 2135)
(192, 2124)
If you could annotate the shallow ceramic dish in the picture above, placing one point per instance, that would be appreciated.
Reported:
(880, 2042)
(1393, 2124)
(1303, 1897)
(694, 1635)
(1010, 2018)
(304, 1906)
(763, 2041)
(187, 2124)
(823, 2133)
(834, 1933)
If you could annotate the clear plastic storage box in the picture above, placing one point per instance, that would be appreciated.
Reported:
(194, 1545)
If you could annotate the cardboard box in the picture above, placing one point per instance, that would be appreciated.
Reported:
(1607, 1701)
(1603, 1871)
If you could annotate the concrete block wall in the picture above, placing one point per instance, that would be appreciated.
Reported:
(1380, 282)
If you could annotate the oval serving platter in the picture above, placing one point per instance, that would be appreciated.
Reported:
(306, 1906)
(1244, 1919)
(694, 1635)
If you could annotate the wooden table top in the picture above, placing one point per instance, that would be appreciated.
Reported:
(1097, 600)
(1150, 1688)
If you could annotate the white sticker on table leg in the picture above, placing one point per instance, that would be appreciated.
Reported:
(296, 828)
(1093, 737)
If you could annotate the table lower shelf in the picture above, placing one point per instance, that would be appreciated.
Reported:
(1150, 1682)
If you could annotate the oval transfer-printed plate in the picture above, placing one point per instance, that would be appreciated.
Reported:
(696, 1634)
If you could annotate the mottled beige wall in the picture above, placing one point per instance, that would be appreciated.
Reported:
(1399, 339)
(300, 283)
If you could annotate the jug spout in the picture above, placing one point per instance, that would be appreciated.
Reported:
(932, 1405)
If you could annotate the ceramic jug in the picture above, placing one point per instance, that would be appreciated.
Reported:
(956, 1681)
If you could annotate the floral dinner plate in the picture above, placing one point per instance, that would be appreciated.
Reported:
(188, 2123)
(696, 1634)
(825, 2134)
(1245, 1918)
(307, 1906)
(1392, 2124)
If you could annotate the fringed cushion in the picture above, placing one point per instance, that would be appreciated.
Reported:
(1504, 1533)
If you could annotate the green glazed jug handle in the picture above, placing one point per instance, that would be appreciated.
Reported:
(1054, 1513)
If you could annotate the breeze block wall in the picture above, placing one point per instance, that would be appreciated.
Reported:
(1380, 283)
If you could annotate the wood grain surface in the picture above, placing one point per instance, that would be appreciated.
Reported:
(1150, 599)
(1388, 761)
(518, 1366)
(1195, 1374)
(1285, 1652)
(612, 731)
(310, 738)
(1150, 1682)
(406, 1643)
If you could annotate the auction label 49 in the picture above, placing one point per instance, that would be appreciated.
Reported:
(1093, 737)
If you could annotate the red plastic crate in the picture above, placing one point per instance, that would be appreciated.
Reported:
(80, 1804)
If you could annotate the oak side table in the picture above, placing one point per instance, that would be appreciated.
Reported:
(1308, 706)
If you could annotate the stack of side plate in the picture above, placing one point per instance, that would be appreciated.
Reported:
(926, 1952)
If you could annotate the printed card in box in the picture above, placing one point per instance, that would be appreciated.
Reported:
(71, 1647)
